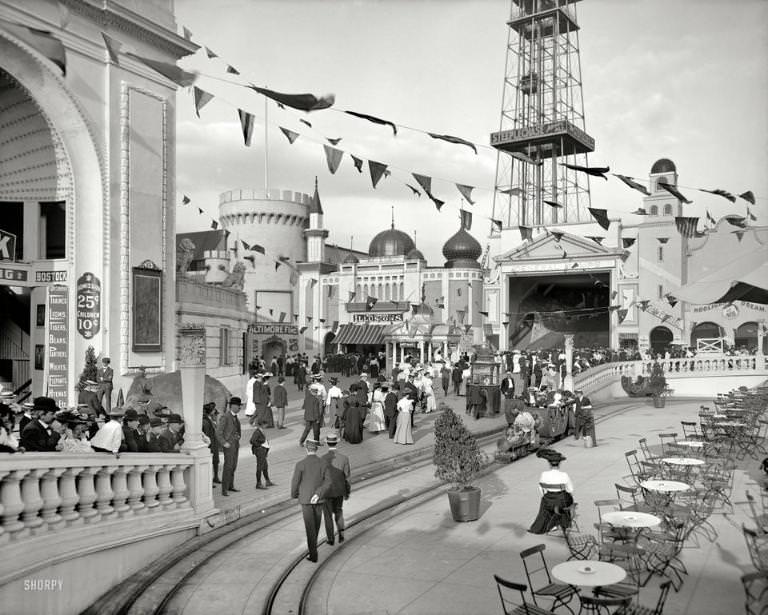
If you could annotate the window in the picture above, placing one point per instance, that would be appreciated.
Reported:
(661, 291)
(667, 209)
(224, 346)
(660, 255)
(53, 227)
(654, 210)
(12, 221)
(661, 180)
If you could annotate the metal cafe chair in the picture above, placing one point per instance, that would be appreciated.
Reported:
(580, 546)
(599, 605)
(535, 565)
(627, 497)
(512, 604)
(755, 593)
(757, 545)
(657, 609)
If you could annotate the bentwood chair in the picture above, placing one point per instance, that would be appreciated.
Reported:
(599, 605)
(512, 604)
(536, 568)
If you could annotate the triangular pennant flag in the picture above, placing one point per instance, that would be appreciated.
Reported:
(748, 196)
(630, 181)
(438, 203)
(42, 41)
(334, 141)
(289, 134)
(303, 121)
(295, 316)
(455, 140)
(640, 212)
(424, 181)
(628, 242)
(671, 300)
(466, 192)
(113, 47)
(252, 258)
(482, 313)
(200, 210)
(246, 123)
(186, 200)
(739, 221)
(120, 399)
(662, 240)
(622, 314)
(414, 190)
(720, 192)
(179, 76)
(739, 235)
(466, 219)
(614, 294)
(202, 98)
(369, 303)
(303, 329)
(322, 320)
(214, 224)
(271, 312)
(309, 319)
(302, 102)
(352, 295)
(597, 240)
(245, 245)
(497, 225)
(686, 226)
(554, 204)
(277, 264)
(751, 216)
(257, 248)
(505, 323)
(565, 254)
(512, 191)
(211, 54)
(226, 234)
(710, 218)
(674, 191)
(232, 70)
(558, 235)
(644, 304)
(279, 105)
(333, 157)
(187, 33)
(594, 171)
(526, 233)
(376, 170)
(375, 120)
(467, 328)
(600, 216)
(665, 317)
(313, 282)
(358, 162)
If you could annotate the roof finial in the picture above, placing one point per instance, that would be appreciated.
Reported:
(393, 216)
(315, 183)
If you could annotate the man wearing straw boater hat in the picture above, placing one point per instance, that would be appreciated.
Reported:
(310, 482)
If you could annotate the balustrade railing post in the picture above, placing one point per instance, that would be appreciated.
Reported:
(178, 484)
(150, 488)
(104, 493)
(13, 505)
(164, 487)
(87, 495)
(136, 489)
(120, 491)
(30, 495)
(51, 498)
(69, 496)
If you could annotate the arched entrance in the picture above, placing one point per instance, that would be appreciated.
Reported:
(745, 336)
(273, 347)
(328, 345)
(705, 330)
(660, 338)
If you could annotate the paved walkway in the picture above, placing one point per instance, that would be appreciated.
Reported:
(422, 562)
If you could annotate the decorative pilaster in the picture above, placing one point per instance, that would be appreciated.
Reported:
(568, 382)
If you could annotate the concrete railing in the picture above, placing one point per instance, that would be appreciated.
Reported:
(603, 375)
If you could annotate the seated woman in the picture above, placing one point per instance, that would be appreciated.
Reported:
(556, 498)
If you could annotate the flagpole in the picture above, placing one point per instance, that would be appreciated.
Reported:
(266, 149)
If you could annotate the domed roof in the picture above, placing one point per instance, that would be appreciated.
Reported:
(462, 250)
(350, 259)
(391, 242)
(415, 255)
(663, 165)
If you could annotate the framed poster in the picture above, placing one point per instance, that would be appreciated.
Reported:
(147, 310)
(40, 318)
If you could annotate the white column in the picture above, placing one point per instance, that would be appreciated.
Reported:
(421, 352)
(568, 383)
(445, 350)
(429, 351)
(192, 362)
(504, 331)
(402, 353)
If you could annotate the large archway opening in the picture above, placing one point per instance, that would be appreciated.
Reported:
(660, 339)
(705, 334)
(745, 337)
(329, 347)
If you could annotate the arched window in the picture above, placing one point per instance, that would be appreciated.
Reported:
(394, 291)
(358, 291)
(654, 210)
(660, 338)
(667, 209)
(661, 180)
(402, 291)
(387, 292)
(705, 330)
(381, 291)
(746, 336)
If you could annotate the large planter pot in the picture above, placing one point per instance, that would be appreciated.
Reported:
(659, 402)
(465, 503)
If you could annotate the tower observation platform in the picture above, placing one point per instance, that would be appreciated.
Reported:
(542, 119)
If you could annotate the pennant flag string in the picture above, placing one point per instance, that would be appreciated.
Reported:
(246, 124)
(466, 192)
(202, 98)
(594, 171)
(719, 192)
(630, 181)
(289, 134)
(674, 192)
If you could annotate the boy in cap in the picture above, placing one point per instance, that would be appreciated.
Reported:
(260, 448)
(310, 482)
(280, 401)
(338, 465)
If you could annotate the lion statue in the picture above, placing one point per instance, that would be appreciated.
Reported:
(236, 278)
(185, 252)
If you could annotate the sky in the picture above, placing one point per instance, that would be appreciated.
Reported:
(679, 79)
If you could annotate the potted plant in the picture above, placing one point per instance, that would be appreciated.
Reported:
(657, 385)
(458, 459)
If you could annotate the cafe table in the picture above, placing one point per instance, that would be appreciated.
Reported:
(665, 486)
(631, 520)
(588, 573)
(691, 443)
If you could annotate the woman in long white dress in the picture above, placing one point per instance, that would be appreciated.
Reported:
(375, 421)
(429, 394)
(403, 434)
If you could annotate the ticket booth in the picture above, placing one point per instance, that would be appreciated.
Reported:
(484, 382)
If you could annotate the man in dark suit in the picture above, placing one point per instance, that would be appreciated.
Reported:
(508, 390)
(390, 410)
(131, 436)
(229, 437)
(457, 375)
(209, 429)
(104, 392)
(38, 434)
(310, 483)
(338, 465)
(585, 422)
(312, 414)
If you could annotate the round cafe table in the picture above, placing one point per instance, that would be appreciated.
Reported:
(631, 519)
(665, 486)
(683, 461)
(588, 573)
(691, 443)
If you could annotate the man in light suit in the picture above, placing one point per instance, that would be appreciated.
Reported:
(310, 483)
(228, 433)
(334, 499)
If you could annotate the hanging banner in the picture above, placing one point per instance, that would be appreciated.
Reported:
(58, 344)
(88, 305)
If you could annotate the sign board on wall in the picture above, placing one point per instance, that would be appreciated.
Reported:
(378, 317)
(88, 305)
(13, 275)
(7, 246)
(58, 344)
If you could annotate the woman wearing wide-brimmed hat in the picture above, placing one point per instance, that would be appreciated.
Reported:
(556, 497)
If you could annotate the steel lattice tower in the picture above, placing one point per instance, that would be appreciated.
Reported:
(542, 119)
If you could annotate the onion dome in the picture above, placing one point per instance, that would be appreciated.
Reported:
(391, 242)
(462, 251)
(415, 255)
(663, 165)
(350, 259)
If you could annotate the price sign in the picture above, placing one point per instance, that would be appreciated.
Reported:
(88, 305)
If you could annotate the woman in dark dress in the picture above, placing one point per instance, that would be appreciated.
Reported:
(353, 417)
(556, 499)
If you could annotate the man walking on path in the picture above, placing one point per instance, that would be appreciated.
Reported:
(390, 411)
(310, 483)
(338, 464)
(312, 414)
(229, 437)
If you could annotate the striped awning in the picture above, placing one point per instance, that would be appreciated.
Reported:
(365, 334)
